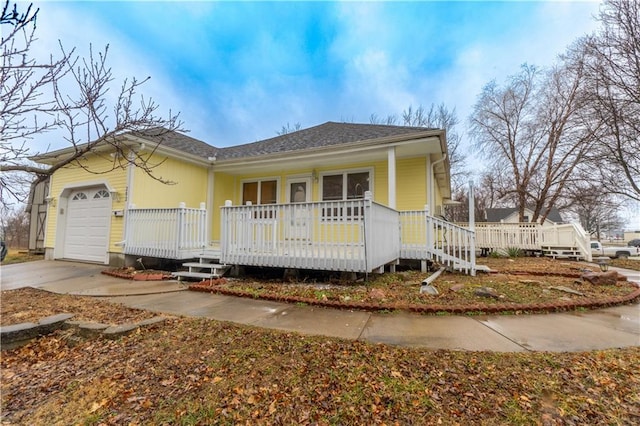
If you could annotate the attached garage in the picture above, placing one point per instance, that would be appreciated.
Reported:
(86, 235)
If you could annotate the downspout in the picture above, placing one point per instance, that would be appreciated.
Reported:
(432, 195)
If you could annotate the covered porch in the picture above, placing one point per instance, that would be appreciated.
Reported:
(353, 236)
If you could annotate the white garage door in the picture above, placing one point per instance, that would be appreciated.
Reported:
(87, 228)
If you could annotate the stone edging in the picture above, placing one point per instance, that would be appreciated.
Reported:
(430, 309)
(16, 335)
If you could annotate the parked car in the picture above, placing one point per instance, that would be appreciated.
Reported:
(634, 243)
(598, 249)
(3, 251)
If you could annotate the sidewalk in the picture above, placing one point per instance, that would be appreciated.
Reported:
(615, 327)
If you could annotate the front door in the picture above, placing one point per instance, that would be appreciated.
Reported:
(299, 193)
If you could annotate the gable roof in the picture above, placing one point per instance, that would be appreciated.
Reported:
(323, 135)
(498, 214)
(177, 141)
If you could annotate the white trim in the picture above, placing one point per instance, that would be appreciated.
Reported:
(391, 176)
(428, 183)
(344, 173)
(259, 180)
(302, 179)
(129, 189)
(62, 213)
(211, 180)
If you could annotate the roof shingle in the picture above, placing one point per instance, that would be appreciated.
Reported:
(327, 134)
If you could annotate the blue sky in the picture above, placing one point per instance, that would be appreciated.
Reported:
(239, 71)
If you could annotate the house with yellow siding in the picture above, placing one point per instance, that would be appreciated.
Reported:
(337, 196)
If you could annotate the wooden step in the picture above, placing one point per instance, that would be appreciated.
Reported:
(202, 270)
(203, 265)
(187, 274)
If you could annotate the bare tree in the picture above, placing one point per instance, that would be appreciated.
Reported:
(71, 93)
(288, 129)
(595, 209)
(614, 70)
(440, 117)
(534, 133)
(15, 228)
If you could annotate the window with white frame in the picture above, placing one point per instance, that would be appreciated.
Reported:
(260, 192)
(350, 185)
(345, 186)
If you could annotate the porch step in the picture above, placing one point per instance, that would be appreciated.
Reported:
(187, 274)
(202, 270)
(562, 253)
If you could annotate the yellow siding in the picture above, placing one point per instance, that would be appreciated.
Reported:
(74, 175)
(223, 189)
(410, 185)
(190, 185)
(411, 182)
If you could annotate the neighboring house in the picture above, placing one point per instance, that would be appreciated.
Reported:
(511, 215)
(338, 196)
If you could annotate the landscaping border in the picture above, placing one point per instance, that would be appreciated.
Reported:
(467, 309)
(137, 275)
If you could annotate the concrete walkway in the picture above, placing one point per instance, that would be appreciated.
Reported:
(615, 327)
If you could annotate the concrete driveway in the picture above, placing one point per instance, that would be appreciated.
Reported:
(615, 327)
(86, 279)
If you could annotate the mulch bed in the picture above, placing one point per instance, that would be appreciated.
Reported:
(625, 292)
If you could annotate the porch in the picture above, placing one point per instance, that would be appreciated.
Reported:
(568, 240)
(357, 235)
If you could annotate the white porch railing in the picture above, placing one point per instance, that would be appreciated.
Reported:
(532, 236)
(175, 233)
(427, 237)
(525, 236)
(353, 235)
(567, 235)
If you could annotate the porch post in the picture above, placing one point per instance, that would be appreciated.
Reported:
(367, 235)
(428, 183)
(391, 165)
(210, 214)
(472, 227)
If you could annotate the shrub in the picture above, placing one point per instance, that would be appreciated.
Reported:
(514, 252)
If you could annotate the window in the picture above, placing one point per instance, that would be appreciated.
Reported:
(101, 194)
(80, 196)
(345, 186)
(266, 191)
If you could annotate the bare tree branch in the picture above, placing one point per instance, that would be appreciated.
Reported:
(71, 93)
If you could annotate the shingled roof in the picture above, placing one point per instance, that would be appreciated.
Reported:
(498, 214)
(178, 141)
(323, 135)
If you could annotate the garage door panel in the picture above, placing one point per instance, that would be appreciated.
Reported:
(87, 227)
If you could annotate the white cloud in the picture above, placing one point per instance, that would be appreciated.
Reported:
(75, 29)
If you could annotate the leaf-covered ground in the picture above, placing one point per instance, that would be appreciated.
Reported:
(198, 371)
(521, 284)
